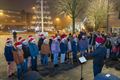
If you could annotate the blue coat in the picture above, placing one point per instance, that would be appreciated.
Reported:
(99, 55)
(74, 47)
(83, 44)
(8, 53)
(34, 51)
(63, 47)
(55, 47)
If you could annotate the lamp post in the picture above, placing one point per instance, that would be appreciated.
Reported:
(108, 3)
(42, 19)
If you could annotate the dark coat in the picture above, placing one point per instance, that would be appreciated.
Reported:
(99, 55)
(8, 53)
(26, 51)
(40, 42)
(108, 44)
(63, 47)
(74, 47)
(34, 51)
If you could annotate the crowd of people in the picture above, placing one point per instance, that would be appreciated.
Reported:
(59, 49)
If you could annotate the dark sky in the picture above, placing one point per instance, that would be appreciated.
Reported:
(16, 4)
(24, 5)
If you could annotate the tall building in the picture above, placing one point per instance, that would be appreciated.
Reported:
(42, 16)
(14, 19)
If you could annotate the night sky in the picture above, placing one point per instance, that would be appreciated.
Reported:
(25, 5)
(18, 4)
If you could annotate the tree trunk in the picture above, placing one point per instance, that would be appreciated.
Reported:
(73, 26)
(119, 14)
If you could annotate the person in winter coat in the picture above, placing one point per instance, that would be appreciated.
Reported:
(94, 36)
(69, 48)
(40, 42)
(50, 42)
(83, 45)
(74, 48)
(63, 49)
(90, 41)
(19, 59)
(55, 48)
(98, 57)
(108, 45)
(26, 51)
(114, 52)
(34, 51)
(8, 53)
(45, 51)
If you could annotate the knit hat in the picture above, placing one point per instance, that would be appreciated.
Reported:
(9, 40)
(100, 40)
(63, 37)
(32, 40)
(29, 37)
(53, 37)
(19, 39)
(24, 41)
(41, 35)
(18, 44)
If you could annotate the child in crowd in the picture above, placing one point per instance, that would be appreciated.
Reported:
(8, 53)
(34, 51)
(26, 50)
(63, 49)
(45, 51)
(74, 48)
(83, 45)
(19, 59)
(55, 48)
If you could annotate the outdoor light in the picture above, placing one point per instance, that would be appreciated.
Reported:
(34, 17)
(33, 8)
(57, 19)
(1, 13)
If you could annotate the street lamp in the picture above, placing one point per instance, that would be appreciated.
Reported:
(33, 8)
(1, 13)
(57, 19)
(57, 22)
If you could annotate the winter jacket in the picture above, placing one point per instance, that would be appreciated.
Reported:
(40, 42)
(74, 46)
(8, 53)
(50, 42)
(55, 47)
(18, 56)
(45, 49)
(99, 55)
(94, 36)
(34, 51)
(108, 44)
(83, 44)
(63, 48)
(26, 51)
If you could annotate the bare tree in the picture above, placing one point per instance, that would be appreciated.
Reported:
(71, 8)
(97, 13)
(117, 5)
